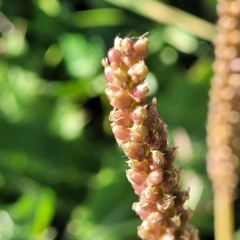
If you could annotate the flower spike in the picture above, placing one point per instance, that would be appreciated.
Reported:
(143, 137)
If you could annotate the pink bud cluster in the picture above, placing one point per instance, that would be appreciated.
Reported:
(143, 137)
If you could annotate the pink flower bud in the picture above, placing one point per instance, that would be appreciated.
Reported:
(171, 179)
(144, 209)
(153, 113)
(108, 74)
(117, 42)
(155, 177)
(157, 136)
(122, 77)
(167, 236)
(169, 154)
(128, 61)
(138, 72)
(120, 117)
(135, 177)
(166, 202)
(184, 216)
(142, 232)
(114, 57)
(139, 114)
(140, 46)
(134, 150)
(117, 78)
(118, 99)
(138, 166)
(140, 92)
(153, 226)
(162, 131)
(153, 140)
(120, 132)
(151, 193)
(155, 159)
(121, 143)
(127, 46)
(180, 197)
(138, 188)
(155, 217)
(138, 133)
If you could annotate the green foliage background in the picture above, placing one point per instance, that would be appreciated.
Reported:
(62, 175)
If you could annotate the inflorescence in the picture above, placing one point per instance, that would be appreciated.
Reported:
(143, 137)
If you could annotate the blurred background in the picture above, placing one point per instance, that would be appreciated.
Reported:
(62, 175)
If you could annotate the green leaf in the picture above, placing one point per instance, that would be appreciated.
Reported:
(34, 209)
(82, 57)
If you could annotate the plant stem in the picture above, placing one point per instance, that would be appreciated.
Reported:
(223, 208)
